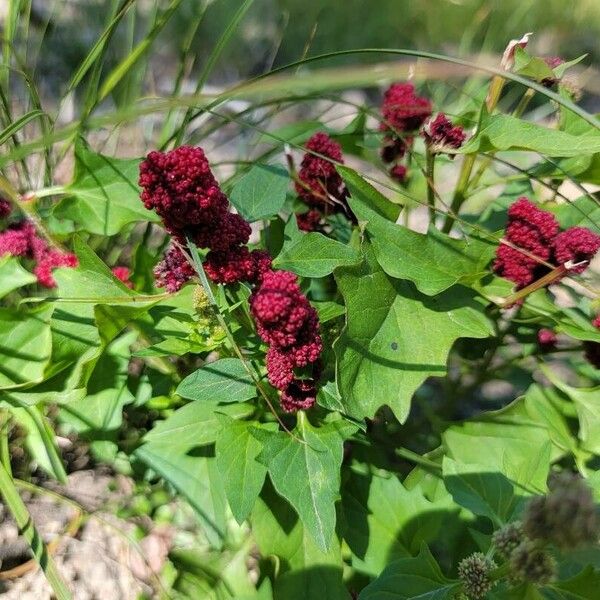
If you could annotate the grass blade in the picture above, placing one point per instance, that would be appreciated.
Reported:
(125, 65)
(91, 59)
(20, 123)
(25, 524)
(212, 59)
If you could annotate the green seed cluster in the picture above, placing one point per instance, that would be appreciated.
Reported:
(206, 329)
(531, 562)
(566, 516)
(505, 540)
(474, 571)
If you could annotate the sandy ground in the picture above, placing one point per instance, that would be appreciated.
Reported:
(100, 562)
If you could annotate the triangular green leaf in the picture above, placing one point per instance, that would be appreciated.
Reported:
(396, 337)
(104, 195)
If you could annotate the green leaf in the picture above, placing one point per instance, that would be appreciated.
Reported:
(25, 346)
(194, 476)
(260, 194)
(13, 275)
(306, 472)
(584, 586)
(386, 521)
(306, 572)
(104, 195)
(396, 337)
(91, 280)
(419, 577)
(225, 380)
(194, 424)
(516, 446)
(542, 405)
(588, 410)
(101, 411)
(483, 492)
(363, 191)
(503, 132)
(583, 212)
(328, 310)
(433, 261)
(40, 440)
(312, 254)
(236, 450)
(531, 66)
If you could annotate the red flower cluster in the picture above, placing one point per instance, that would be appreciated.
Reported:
(592, 349)
(546, 339)
(123, 274)
(441, 136)
(319, 184)
(5, 208)
(289, 324)
(403, 112)
(173, 270)
(284, 317)
(180, 186)
(50, 260)
(537, 232)
(21, 239)
(309, 221)
(577, 245)
(399, 172)
(402, 109)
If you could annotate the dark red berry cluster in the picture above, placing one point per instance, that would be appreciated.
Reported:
(284, 318)
(319, 184)
(403, 113)
(537, 233)
(441, 136)
(180, 186)
(21, 239)
(289, 324)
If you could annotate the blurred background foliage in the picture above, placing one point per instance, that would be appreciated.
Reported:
(276, 32)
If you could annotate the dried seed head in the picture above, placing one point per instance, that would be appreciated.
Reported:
(530, 562)
(505, 540)
(474, 571)
(566, 516)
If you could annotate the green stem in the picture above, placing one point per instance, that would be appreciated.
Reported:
(417, 459)
(4, 449)
(460, 192)
(462, 185)
(213, 302)
(55, 190)
(429, 175)
(29, 532)
(487, 161)
(544, 281)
